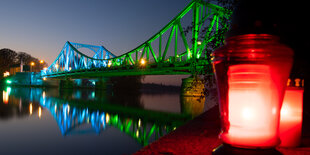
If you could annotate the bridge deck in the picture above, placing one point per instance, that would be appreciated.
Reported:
(152, 69)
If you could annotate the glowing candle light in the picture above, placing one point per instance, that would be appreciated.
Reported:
(291, 117)
(250, 105)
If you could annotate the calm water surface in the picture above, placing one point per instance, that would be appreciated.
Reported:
(49, 121)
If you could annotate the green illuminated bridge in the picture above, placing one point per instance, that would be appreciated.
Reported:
(183, 46)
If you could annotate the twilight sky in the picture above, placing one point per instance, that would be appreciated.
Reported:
(41, 27)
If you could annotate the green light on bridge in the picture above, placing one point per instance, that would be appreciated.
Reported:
(8, 81)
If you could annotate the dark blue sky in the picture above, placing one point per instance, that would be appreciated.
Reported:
(41, 27)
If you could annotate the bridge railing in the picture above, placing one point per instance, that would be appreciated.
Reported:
(172, 46)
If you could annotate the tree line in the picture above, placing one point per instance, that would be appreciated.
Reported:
(9, 57)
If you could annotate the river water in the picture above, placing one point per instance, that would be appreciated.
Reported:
(86, 121)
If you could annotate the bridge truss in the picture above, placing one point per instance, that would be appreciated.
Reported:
(173, 50)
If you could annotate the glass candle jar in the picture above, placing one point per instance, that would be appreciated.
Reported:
(251, 72)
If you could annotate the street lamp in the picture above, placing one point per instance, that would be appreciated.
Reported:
(32, 64)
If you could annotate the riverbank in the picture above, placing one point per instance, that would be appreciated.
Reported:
(200, 136)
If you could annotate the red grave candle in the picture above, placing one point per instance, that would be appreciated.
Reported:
(251, 72)
(291, 117)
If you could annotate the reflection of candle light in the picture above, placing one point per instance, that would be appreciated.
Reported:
(39, 113)
(30, 108)
(291, 117)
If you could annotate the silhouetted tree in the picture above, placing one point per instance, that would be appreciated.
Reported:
(23, 57)
(7, 58)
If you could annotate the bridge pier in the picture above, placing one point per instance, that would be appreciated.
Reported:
(66, 84)
(192, 96)
(198, 96)
(192, 87)
(193, 106)
(103, 83)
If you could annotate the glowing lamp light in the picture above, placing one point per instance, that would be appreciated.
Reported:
(5, 74)
(199, 43)
(251, 72)
(109, 63)
(32, 63)
(143, 62)
(41, 61)
(291, 117)
(8, 81)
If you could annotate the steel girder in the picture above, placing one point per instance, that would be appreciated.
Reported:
(157, 53)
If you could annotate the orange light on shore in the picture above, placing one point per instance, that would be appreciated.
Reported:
(291, 117)
(251, 72)
(5, 74)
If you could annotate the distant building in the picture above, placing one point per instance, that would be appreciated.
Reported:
(18, 68)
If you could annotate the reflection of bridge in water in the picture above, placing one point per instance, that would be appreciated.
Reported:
(89, 111)
(75, 117)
